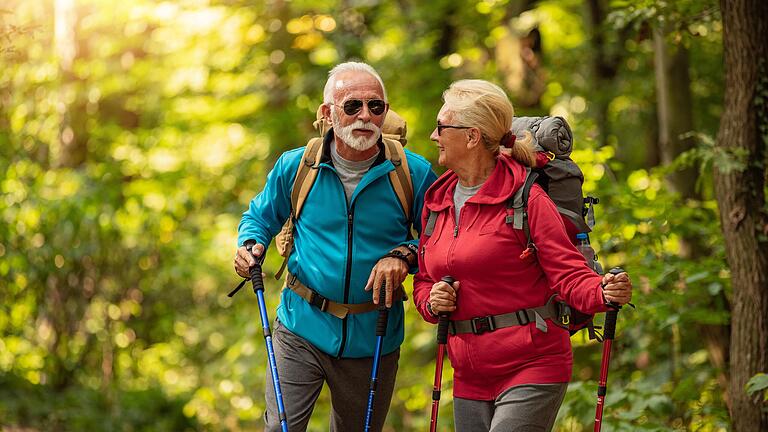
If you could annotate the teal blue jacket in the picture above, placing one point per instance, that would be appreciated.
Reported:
(336, 246)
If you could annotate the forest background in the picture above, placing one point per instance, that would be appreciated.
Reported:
(134, 133)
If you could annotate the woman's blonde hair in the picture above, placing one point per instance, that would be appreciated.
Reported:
(484, 105)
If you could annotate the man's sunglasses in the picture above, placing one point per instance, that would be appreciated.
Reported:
(354, 106)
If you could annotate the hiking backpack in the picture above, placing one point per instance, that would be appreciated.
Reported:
(562, 179)
(392, 135)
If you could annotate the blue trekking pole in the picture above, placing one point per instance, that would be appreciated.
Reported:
(258, 288)
(381, 330)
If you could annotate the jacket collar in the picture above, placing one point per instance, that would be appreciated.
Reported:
(506, 178)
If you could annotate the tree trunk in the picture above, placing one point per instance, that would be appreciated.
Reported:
(741, 197)
(674, 103)
(675, 109)
(606, 59)
(604, 69)
(73, 148)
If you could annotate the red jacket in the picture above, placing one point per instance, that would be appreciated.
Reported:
(484, 257)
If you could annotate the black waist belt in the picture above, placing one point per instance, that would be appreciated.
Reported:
(555, 310)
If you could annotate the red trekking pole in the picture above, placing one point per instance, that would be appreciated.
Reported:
(442, 339)
(608, 336)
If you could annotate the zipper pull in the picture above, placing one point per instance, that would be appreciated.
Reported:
(528, 251)
(455, 231)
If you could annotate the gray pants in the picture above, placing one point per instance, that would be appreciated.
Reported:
(523, 408)
(302, 369)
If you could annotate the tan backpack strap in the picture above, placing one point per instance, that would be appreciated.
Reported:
(401, 176)
(305, 175)
(284, 244)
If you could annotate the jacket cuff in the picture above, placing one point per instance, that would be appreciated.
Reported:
(427, 313)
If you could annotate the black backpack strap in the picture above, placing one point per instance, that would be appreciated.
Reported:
(519, 203)
(430, 227)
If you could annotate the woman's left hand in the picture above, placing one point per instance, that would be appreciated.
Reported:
(617, 288)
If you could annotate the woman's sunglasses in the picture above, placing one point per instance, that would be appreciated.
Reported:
(354, 106)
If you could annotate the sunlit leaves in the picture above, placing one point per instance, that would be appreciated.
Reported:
(127, 260)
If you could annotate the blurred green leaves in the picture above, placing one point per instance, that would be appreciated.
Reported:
(114, 272)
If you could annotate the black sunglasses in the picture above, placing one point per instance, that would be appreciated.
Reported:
(440, 128)
(354, 106)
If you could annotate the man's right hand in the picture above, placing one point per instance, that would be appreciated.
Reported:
(244, 260)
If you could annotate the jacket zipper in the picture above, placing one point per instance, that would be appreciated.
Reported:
(350, 217)
(453, 241)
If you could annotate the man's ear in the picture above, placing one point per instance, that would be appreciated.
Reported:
(326, 110)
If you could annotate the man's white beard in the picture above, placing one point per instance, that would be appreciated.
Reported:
(359, 143)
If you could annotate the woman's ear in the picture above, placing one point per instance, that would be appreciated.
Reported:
(474, 137)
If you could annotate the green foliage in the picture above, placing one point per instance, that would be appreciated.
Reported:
(79, 408)
(757, 384)
(114, 271)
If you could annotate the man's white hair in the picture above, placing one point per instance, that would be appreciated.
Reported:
(349, 67)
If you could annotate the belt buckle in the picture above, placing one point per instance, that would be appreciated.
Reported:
(483, 324)
(318, 301)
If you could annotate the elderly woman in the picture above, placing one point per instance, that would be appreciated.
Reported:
(511, 376)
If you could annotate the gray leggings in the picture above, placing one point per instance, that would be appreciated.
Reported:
(523, 408)
(302, 369)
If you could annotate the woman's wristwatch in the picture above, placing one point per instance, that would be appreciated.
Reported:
(429, 309)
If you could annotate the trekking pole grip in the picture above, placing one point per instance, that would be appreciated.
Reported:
(255, 270)
(613, 314)
(381, 323)
(442, 321)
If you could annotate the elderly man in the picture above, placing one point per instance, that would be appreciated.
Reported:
(352, 237)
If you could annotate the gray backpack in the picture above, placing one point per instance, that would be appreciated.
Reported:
(562, 180)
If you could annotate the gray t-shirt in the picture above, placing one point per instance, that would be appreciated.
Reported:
(461, 195)
(350, 172)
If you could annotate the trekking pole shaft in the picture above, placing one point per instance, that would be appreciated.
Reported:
(381, 331)
(258, 288)
(608, 335)
(272, 362)
(442, 339)
(436, 388)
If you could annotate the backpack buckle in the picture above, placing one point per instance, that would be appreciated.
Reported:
(481, 325)
(563, 314)
(520, 314)
(550, 155)
(530, 250)
(318, 301)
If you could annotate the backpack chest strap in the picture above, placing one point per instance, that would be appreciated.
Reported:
(339, 310)
(554, 310)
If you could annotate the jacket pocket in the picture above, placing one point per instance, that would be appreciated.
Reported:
(555, 340)
(458, 352)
